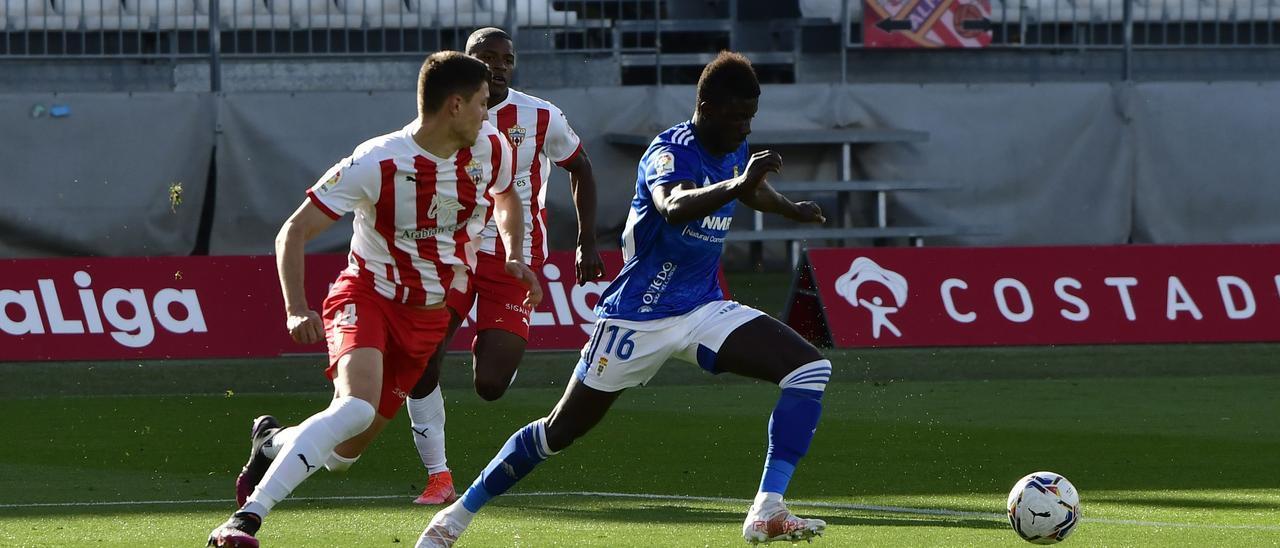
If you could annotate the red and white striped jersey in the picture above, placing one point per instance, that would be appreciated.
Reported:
(416, 214)
(541, 136)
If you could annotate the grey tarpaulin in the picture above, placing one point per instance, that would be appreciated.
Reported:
(273, 146)
(1063, 163)
(1039, 164)
(1208, 163)
(96, 182)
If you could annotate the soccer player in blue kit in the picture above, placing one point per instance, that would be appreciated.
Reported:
(667, 303)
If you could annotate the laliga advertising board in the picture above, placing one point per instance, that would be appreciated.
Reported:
(214, 307)
(1038, 295)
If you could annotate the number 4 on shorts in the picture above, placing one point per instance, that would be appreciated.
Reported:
(347, 316)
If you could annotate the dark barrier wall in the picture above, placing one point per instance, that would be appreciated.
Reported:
(1084, 163)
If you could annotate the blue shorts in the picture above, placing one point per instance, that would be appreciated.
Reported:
(623, 354)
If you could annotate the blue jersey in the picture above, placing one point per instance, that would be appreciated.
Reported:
(670, 270)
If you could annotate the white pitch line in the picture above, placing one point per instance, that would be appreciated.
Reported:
(646, 496)
(890, 509)
(177, 502)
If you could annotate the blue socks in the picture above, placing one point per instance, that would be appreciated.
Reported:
(523, 451)
(793, 423)
(791, 429)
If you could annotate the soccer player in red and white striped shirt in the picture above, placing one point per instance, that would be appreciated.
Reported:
(420, 196)
(540, 136)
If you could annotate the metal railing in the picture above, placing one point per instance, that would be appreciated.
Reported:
(187, 28)
(216, 29)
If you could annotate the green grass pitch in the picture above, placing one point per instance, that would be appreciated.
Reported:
(1169, 446)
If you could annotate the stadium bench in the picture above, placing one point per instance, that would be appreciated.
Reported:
(846, 138)
(913, 233)
(881, 188)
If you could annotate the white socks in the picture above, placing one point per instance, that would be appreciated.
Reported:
(427, 420)
(765, 497)
(336, 462)
(308, 447)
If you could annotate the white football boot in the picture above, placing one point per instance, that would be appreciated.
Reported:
(769, 520)
(445, 528)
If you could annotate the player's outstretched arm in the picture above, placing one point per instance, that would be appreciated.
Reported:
(306, 222)
(582, 183)
(768, 200)
(509, 216)
(685, 202)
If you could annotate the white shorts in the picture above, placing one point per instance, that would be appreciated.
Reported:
(624, 354)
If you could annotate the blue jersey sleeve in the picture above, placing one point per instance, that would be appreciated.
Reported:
(671, 163)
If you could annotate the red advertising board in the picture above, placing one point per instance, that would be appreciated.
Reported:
(926, 23)
(211, 307)
(885, 297)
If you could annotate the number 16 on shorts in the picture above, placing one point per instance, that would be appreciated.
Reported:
(607, 341)
(625, 346)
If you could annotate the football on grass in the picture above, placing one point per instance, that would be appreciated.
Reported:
(1044, 508)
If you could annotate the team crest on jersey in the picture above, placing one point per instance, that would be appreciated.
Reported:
(332, 180)
(475, 170)
(665, 163)
(604, 362)
(735, 172)
(443, 207)
(516, 134)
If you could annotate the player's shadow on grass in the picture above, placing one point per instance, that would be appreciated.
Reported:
(622, 511)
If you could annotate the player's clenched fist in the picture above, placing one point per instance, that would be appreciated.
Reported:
(807, 212)
(306, 328)
(520, 271)
(760, 165)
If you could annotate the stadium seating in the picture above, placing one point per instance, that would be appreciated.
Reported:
(830, 10)
(317, 14)
(538, 13)
(40, 15)
(1006, 11)
(462, 13)
(246, 14)
(1254, 10)
(1193, 10)
(103, 14)
(388, 14)
(169, 14)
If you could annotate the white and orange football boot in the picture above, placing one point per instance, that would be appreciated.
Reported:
(769, 520)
